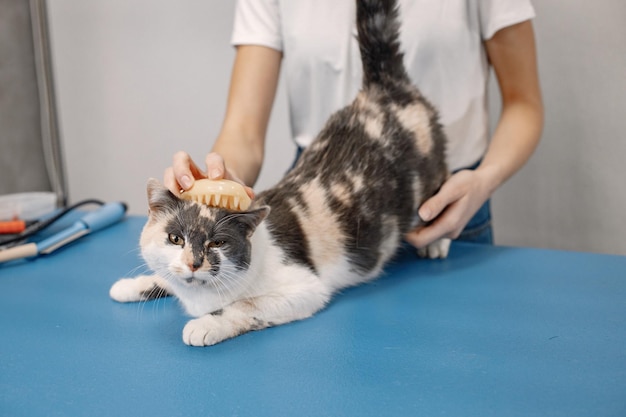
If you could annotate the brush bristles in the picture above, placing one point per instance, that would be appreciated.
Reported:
(221, 201)
(224, 194)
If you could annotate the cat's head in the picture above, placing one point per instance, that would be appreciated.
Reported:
(190, 244)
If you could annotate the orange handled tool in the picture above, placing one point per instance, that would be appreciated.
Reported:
(13, 226)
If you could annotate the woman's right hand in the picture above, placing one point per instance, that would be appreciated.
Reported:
(184, 171)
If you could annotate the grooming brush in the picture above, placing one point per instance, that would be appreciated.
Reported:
(218, 193)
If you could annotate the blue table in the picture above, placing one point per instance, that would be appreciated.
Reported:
(490, 331)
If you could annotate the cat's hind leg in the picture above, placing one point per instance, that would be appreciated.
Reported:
(292, 299)
(437, 249)
(141, 288)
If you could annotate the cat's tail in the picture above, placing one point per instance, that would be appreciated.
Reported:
(378, 30)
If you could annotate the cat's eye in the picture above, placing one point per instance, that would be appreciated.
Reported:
(175, 239)
(216, 244)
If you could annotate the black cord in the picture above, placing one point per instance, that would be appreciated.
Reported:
(40, 225)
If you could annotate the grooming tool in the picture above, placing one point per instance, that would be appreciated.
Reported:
(104, 216)
(14, 226)
(218, 193)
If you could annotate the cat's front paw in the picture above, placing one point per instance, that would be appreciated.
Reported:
(206, 331)
(145, 287)
(124, 291)
(437, 249)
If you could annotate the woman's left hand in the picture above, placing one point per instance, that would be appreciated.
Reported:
(511, 51)
(452, 207)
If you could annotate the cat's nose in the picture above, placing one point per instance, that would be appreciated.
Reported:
(193, 267)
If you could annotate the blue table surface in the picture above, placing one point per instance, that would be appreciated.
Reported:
(490, 331)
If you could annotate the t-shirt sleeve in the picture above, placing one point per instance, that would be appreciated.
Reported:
(257, 22)
(498, 14)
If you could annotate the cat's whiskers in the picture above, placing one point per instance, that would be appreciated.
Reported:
(141, 307)
(143, 267)
(217, 284)
(224, 279)
(232, 275)
(135, 249)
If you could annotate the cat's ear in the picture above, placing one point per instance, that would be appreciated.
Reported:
(160, 198)
(251, 219)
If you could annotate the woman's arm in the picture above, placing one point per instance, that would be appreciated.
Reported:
(512, 54)
(241, 142)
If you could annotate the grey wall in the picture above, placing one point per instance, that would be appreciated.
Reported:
(572, 194)
(138, 80)
(22, 166)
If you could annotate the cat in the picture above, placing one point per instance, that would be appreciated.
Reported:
(332, 222)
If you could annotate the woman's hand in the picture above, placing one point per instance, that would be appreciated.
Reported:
(242, 138)
(184, 171)
(451, 208)
(512, 54)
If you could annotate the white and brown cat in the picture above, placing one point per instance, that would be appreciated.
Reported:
(332, 222)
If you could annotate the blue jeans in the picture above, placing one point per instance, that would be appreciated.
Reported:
(477, 230)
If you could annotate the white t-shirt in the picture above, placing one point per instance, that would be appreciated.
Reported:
(443, 49)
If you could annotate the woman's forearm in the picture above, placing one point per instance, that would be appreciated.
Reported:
(513, 56)
(254, 81)
(515, 138)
